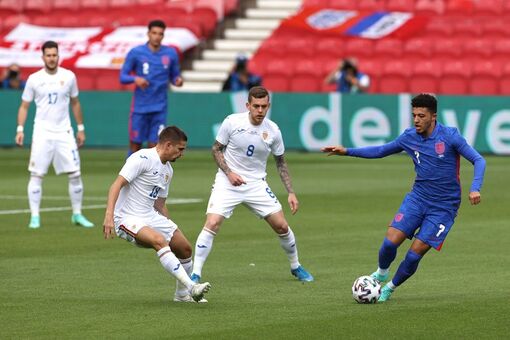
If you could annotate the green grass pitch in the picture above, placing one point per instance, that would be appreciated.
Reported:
(62, 281)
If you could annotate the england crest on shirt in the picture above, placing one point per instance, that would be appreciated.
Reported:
(440, 147)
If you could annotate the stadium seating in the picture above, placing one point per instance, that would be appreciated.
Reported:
(485, 77)
(454, 78)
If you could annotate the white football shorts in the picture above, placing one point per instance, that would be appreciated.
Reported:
(58, 148)
(257, 196)
(127, 227)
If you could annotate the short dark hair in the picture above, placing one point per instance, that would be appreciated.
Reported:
(172, 134)
(425, 100)
(156, 23)
(49, 44)
(257, 92)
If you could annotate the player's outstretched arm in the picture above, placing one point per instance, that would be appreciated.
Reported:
(217, 152)
(283, 170)
(113, 195)
(335, 150)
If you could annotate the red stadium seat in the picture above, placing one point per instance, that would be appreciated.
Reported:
(343, 4)
(455, 76)
(37, 6)
(439, 27)
(11, 6)
(207, 18)
(484, 7)
(495, 28)
(501, 49)
(276, 83)
(69, 5)
(395, 77)
(330, 47)
(480, 47)
(371, 5)
(14, 20)
(459, 6)
(418, 48)
(467, 28)
(315, 3)
(300, 47)
(388, 48)
(305, 83)
(424, 78)
(94, 4)
(359, 48)
(271, 48)
(44, 20)
(485, 77)
(230, 6)
(448, 48)
(400, 5)
(121, 3)
(504, 81)
(431, 7)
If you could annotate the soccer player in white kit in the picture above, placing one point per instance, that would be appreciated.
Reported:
(242, 146)
(136, 210)
(52, 88)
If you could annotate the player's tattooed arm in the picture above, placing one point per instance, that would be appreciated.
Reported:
(283, 170)
(217, 151)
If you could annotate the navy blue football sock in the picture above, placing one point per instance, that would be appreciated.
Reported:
(387, 253)
(407, 268)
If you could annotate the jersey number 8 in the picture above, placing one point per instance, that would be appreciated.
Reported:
(251, 149)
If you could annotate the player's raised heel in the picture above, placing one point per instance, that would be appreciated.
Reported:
(80, 220)
(35, 222)
(187, 298)
(301, 274)
(385, 294)
(195, 278)
(199, 289)
(379, 277)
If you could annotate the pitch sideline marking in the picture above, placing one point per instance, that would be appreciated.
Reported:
(93, 206)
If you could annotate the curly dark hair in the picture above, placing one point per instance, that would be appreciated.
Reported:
(425, 100)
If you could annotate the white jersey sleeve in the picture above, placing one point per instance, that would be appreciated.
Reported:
(74, 87)
(28, 91)
(225, 131)
(277, 147)
(133, 168)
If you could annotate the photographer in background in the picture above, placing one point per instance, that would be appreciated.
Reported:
(240, 79)
(12, 78)
(347, 78)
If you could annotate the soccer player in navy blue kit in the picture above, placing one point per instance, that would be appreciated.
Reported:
(154, 67)
(429, 210)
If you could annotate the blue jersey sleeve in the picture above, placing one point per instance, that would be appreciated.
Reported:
(376, 151)
(175, 69)
(473, 156)
(127, 68)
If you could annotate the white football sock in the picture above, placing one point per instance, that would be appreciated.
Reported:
(76, 192)
(203, 247)
(34, 194)
(180, 289)
(174, 267)
(288, 243)
(391, 285)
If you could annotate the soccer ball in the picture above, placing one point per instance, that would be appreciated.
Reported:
(366, 289)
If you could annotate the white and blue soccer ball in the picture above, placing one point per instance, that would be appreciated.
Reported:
(366, 289)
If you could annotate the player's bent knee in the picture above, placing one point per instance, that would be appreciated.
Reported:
(35, 174)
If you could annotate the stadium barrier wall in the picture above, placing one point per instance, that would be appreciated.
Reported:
(307, 121)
